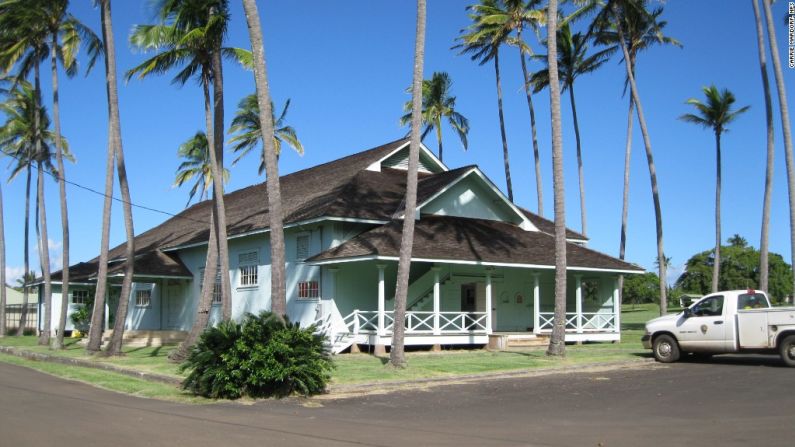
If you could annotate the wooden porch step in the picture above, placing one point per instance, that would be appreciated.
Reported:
(501, 341)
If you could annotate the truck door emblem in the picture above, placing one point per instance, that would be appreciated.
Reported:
(704, 328)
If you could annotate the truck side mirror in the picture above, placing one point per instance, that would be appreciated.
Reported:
(687, 312)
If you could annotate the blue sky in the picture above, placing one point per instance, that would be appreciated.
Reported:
(346, 65)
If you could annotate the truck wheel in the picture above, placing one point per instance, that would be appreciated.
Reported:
(666, 350)
(787, 350)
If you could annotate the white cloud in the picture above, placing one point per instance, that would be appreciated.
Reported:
(13, 273)
(56, 255)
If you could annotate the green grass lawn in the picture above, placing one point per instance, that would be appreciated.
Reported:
(361, 368)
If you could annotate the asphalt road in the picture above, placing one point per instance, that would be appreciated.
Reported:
(727, 401)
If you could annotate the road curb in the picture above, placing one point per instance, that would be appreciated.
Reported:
(37, 356)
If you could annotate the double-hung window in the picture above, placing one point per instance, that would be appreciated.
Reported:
(302, 242)
(248, 269)
(80, 297)
(308, 289)
(143, 298)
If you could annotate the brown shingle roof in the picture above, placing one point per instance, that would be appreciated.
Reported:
(548, 226)
(457, 238)
(152, 264)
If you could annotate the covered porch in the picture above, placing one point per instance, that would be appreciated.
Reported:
(463, 304)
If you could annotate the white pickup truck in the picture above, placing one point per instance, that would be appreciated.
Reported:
(736, 321)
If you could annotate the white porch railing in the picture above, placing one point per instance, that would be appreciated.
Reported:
(418, 323)
(589, 322)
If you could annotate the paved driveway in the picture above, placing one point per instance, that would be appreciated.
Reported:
(729, 401)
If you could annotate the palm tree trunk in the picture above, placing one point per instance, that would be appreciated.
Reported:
(785, 123)
(56, 119)
(115, 345)
(278, 294)
(652, 175)
(716, 262)
(2, 270)
(206, 299)
(764, 243)
(557, 342)
(439, 138)
(397, 356)
(625, 197)
(97, 315)
(220, 211)
(44, 257)
(23, 314)
(583, 222)
(528, 93)
(44, 249)
(502, 125)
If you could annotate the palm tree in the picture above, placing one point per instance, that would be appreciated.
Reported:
(66, 34)
(573, 61)
(482, 39)
(116, 150)
(397, 358)
(764, 243)
(278, 286)
(189, 39)
(557, 341)
(615, 13)
(642, 29)
(715, 114)
(24, 44)
(246, 126)
(26, 137)
(436, 104)
(785, 121)
(196, 153)
(2, 270)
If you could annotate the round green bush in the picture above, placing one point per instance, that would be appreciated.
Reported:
(260, 357)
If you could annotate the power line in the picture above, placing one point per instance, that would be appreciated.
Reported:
(100, 193)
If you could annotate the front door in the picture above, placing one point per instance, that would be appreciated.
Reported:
(705, 329)
(468, 298)
(113, 304)
(173, 306)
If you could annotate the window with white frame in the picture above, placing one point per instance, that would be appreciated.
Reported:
(302, 246)
(80, 297)
(143, 298)
(248, 267)
(308, 289)
(216, 286)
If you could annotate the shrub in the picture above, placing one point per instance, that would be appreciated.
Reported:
(260, 357)
(81, 319)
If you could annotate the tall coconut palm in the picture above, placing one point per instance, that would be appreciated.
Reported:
(26, 137)
(764, 266)
(2, 270)
(615, 12)
(482, 40)
(191, 45)
(437, 104)
(642, 29)
(116, 151)
(24, 45)
(557, 341)
(196, 165)
(66, 35)
(573, 62)
(786, 124)
(715, 114)
(248, 132)
(276, 219)
(211, 16)
(397, 358)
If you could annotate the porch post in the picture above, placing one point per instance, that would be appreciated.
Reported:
(578, 297)
(436, 301)
(616, 307)
(488, 299)
(381, 299)
(536, 305)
